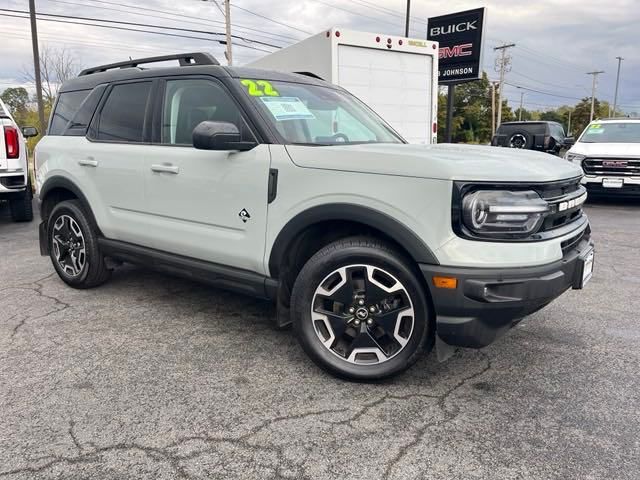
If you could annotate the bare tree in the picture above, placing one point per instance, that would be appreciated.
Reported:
(56, 66)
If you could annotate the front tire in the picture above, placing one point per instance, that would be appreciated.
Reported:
(359, 311)
(22, 207)
(73, 246)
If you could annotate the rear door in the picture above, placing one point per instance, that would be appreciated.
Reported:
(396, 85)
(111, 160)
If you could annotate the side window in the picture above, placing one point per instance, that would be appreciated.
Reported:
(188, 102)
(81, 120)
(123, 114)
(66, 107)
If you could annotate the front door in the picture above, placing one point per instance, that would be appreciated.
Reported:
(205, 204)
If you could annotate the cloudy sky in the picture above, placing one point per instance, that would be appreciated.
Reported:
(557, 41)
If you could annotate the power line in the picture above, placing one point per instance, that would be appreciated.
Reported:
(270, 19)
(134, 30)
(545, 83)
(136, 24)
(355, 13)
(173, 16)
(542, 92)
(387, 11)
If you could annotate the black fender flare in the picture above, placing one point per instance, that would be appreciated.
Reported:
(57, 181)
(391, 227)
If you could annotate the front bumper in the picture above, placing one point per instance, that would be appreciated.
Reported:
(488, 302)
(630, 186)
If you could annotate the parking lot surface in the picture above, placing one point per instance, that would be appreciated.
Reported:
(155, 377)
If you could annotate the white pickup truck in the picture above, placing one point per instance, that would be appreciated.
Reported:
(14, 166)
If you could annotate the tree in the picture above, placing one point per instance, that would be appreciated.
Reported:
(17, 100)
(56, 66)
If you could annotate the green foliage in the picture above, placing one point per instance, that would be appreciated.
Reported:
(17, 100)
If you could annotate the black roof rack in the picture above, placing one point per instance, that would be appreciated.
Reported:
(196, 58)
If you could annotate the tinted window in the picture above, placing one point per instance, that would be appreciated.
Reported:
(66, 107)
(191, 101)
(123, 114)
(556, 130)
(80, 121)
(532, 128)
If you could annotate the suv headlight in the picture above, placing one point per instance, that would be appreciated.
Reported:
(503, 213)
(574, 157)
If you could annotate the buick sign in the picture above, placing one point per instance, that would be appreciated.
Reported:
(460, 37)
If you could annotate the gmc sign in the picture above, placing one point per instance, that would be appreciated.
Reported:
(460, 36)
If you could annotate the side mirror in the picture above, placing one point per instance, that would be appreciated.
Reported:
(569, 141)
(219, 136)
(29, 132)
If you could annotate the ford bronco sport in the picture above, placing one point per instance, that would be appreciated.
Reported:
(286, 187)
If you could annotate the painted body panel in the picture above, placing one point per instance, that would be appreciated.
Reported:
(12, 166)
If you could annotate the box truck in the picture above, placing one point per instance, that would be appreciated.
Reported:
(396, 76)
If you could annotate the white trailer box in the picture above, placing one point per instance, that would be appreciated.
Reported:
(396, 76)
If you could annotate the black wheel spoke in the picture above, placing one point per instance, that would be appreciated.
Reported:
(387, 321)
(364, 341)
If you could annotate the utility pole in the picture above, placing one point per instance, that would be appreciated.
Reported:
(615, 95)
(503, 64)
(521, 103)
(227, 21)
(36, 65)
(569, 124)
(593, 91)
(406, 26)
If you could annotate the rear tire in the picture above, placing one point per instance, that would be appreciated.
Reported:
(359, 310)
(22, 207)
(73, 246)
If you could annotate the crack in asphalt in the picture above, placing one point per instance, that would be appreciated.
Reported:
(448, 417)
(60, 305)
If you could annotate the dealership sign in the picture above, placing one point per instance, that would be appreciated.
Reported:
(460, 36)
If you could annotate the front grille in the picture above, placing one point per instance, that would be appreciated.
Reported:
(557, 194)
(617, 167)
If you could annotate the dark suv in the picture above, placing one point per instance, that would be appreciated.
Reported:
(542, 136)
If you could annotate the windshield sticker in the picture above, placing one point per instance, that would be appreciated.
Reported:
(258, 88)
(287, 108)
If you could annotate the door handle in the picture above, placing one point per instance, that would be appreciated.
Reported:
(165, 168)
(88, 162)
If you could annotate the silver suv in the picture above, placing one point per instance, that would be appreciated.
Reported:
(285, 187)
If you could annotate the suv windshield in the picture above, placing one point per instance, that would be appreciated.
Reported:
(313, 115)
(612, 132)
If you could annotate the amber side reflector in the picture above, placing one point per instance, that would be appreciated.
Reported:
(445, 282)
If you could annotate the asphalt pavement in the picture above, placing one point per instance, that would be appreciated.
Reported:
(153, 377)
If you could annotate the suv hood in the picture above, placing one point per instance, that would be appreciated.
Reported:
(443, 161)
(607, 149)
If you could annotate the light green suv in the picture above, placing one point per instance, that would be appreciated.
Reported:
(285, 187)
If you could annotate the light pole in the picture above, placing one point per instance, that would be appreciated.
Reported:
(521, 103)
(593, 91)
(227, 20)
(615, 95)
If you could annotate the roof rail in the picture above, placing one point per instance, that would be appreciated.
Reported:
(196, 58)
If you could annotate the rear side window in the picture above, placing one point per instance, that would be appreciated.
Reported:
(123, 114)
(66, 107)
(78, 125)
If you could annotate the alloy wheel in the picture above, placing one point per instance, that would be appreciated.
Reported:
(69, 245)
(362, 314)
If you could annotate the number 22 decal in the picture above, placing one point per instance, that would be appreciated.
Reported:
(258, 88)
